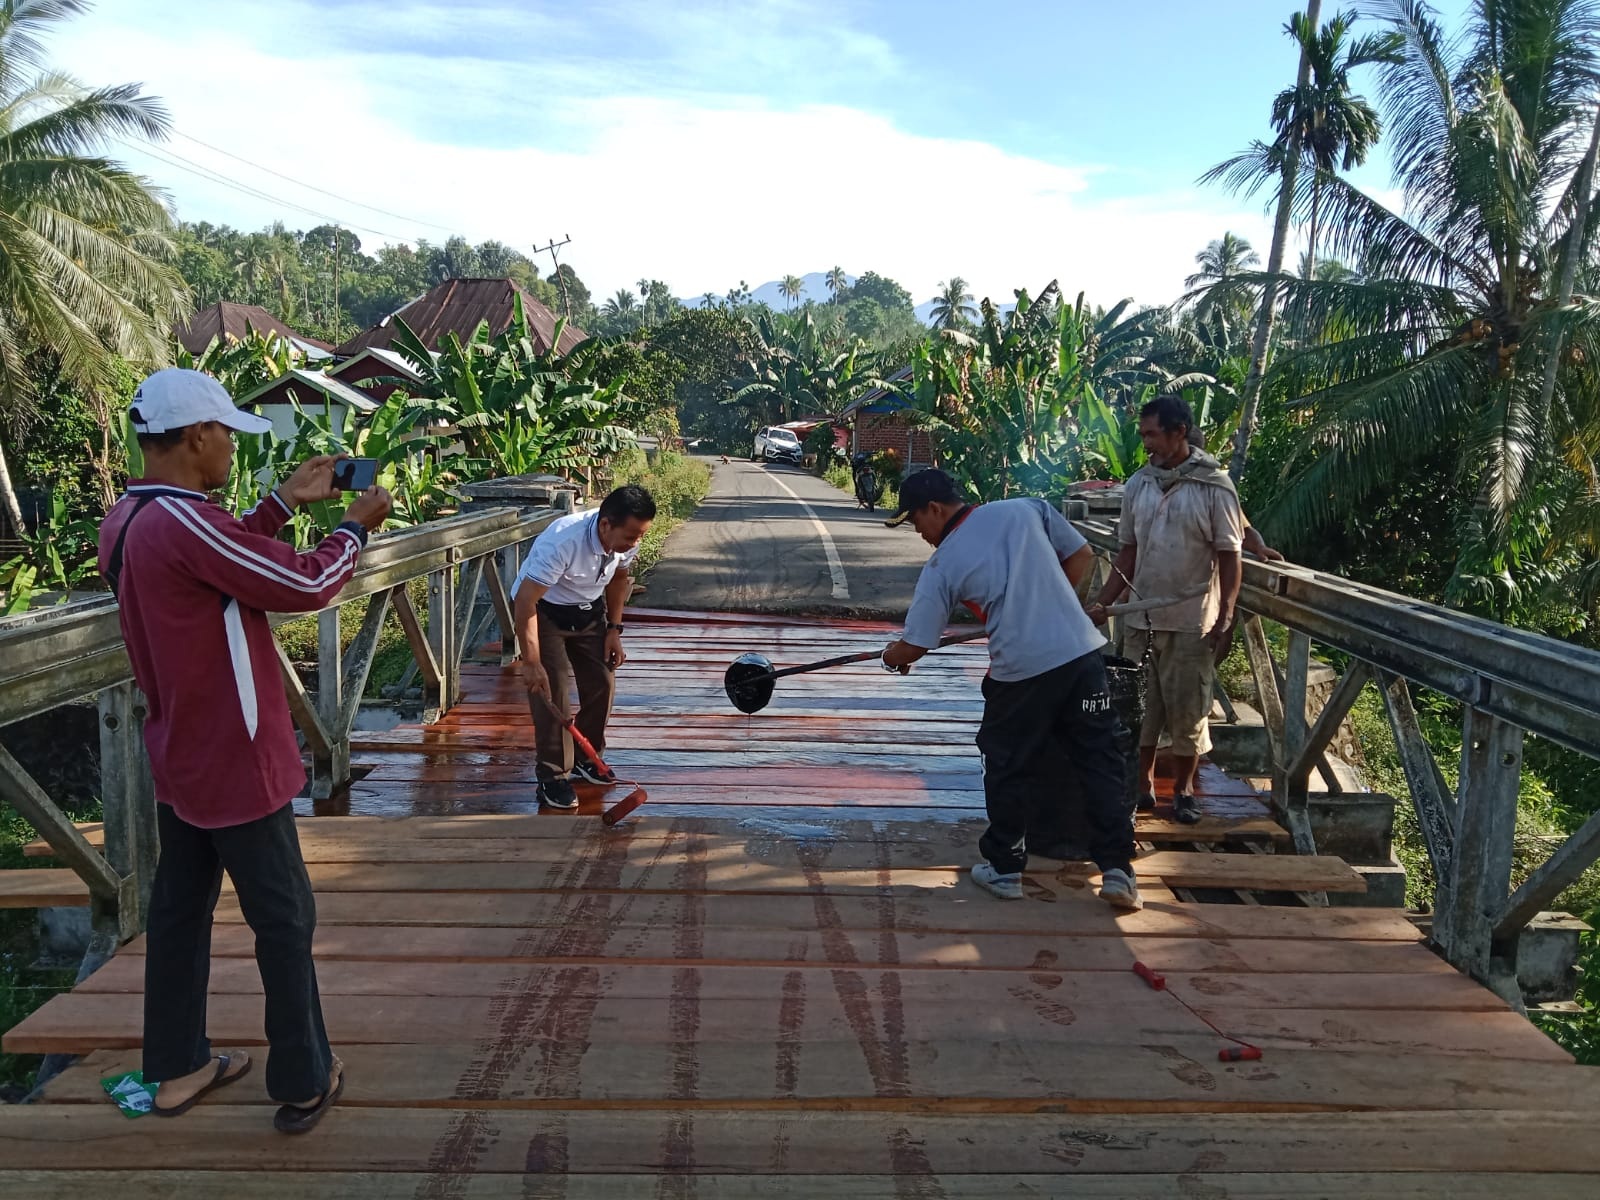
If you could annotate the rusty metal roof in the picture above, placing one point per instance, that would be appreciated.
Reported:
(233, 321)
(457, 306)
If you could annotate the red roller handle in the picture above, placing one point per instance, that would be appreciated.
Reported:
(1239, 1054)
(1158, 982)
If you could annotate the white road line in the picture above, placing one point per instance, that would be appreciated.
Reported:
(841, 590)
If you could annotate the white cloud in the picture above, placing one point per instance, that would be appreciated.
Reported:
(698, 189)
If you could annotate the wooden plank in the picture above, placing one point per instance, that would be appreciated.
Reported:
(660, 866)
(716, 982)
(342, 1185)
(1063, 913)
(1182, 1076)
(42, 888)
(769, 851)
(769, 821)
(231, 1138)
(1120, 1011)
(94, 832)
(641, 942)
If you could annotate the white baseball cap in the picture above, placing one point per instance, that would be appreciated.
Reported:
(174, 398)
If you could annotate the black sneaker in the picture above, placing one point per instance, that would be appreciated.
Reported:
(1186, 808)
(591, 773)
(557, 793)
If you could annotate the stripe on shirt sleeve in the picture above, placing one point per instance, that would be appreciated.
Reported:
(257, 563)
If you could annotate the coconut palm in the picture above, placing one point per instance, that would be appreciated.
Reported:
(82, 239)
(837, 281)
(1217, 281)
(1452, 333)
(791, 287)
(952, 307)
(622, 310)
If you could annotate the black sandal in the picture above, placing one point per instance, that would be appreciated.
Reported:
(220, 1079)
(1186, 808)
(291, 1118)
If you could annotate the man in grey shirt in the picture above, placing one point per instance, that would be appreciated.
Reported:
(1048, 731)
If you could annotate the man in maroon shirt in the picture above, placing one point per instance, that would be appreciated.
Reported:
(194, 585)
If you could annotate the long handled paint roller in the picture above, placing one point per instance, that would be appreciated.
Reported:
(622, 807)
(749, 681)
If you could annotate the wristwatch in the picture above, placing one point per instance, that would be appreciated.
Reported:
(612, 625)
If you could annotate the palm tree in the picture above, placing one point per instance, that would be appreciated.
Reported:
(82, 239)
(791, 287)
(1319, 124)
(837, 281)
(1453, 330)
(1217, 281)
(952, 308)
(622, 309)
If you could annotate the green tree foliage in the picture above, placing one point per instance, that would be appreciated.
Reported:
(709, 345)
(83, 241)
(952, 307)
(872, 286)
(1447, 340)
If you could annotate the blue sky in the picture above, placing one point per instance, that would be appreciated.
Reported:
(703, 142)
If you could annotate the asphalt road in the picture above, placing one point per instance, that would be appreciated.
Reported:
(777, 539)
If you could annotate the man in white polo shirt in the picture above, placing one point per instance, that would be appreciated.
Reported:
(1048, 735)
(569, 598)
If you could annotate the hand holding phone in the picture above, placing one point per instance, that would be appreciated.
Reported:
(355, 474)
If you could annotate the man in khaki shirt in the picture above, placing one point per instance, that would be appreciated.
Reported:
(1181, 533)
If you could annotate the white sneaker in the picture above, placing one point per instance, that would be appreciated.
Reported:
(1007, 887)
(1118, 889)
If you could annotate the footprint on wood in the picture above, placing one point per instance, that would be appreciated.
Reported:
(1185, 1069)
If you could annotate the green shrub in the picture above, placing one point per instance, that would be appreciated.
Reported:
(678, 484)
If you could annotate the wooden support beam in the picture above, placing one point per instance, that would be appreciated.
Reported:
(18, 789)
(330, 770)
(1430, 795)
(127, 791)
(500, 598)
(467, 584)
(1558, 872)
(1291, 790)
(1473, 895)
(437, 699)
(1333, 713)
(358, 662)
(1265, 675)
(301, 708)
(421, 649)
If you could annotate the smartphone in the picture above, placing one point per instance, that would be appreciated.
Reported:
(355, 474)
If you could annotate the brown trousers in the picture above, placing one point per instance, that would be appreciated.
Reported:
(566, 657)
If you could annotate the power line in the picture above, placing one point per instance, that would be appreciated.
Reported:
(177, 161)
(312, 187)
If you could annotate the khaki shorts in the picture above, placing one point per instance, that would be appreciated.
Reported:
(1177, 689)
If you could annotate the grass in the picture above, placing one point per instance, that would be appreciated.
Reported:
(677, 482)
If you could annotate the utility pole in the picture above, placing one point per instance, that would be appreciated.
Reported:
(554, 251)
(338, 313)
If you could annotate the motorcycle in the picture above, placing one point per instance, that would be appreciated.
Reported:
(868, 489)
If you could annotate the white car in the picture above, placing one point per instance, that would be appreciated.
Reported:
(774, 444)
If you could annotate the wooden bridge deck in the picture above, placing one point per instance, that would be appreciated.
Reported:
(778, 969)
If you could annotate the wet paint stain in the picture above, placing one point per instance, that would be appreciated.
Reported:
(1185, 1069)
(791, 1020)
(1051, 1010)
(1193, 1184)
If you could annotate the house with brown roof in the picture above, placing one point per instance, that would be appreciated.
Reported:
(457, 306)
(232, 322)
